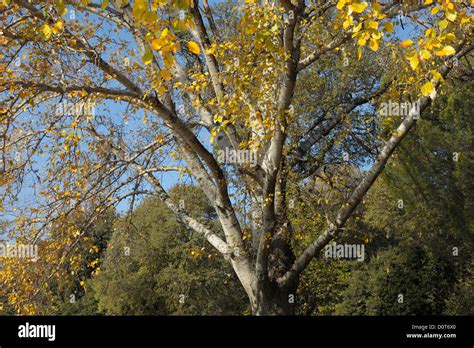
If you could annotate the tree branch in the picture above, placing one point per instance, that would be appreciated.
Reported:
(346, 211)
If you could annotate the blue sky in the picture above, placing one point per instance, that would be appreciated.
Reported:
(168, 179)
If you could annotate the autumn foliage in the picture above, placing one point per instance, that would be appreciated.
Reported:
(104, 102)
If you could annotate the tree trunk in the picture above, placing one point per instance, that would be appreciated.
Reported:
(273, 300)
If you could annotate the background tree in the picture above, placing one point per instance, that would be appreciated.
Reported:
(423, 248)
(70, 296)
(168, 269)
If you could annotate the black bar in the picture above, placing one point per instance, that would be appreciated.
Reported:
(289, 331)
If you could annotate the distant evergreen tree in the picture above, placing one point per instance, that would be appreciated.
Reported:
(155, 266)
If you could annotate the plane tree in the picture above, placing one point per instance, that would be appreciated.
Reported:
(104, 102)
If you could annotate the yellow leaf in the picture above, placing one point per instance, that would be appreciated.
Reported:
(437, 75)
(443, 24)
(164, 33)
(450, 37)
(348, 22)
(194, 47)
(359, 8)
(406, 43)
(377, 35)
(46, 31)
(451, 15)
(372, 24)
(57, 27)
(374, 45)
(357, 28)
(156, 44)
(61, 8)
(414, 61)
(340, 5)
(169, 61)
(425, 54)
(446, 51)
(165, 74)
(427, 89)
(388, 27)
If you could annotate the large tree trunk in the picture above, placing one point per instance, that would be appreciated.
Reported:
(272, 300)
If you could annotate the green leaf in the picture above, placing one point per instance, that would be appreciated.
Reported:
(105, 3)
(147, 58)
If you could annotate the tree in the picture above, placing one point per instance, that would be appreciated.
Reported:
(57, 277)
(167, 270)
(420, 245)
(69, 295)
(461, 301)
(165, 79)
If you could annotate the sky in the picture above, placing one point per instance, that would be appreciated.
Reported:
(168, 179)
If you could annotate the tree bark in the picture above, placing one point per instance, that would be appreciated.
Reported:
(273, 300)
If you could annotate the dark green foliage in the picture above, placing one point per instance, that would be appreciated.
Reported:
(399, 281)
(167, 263)
(461, 300)
(427, 245)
